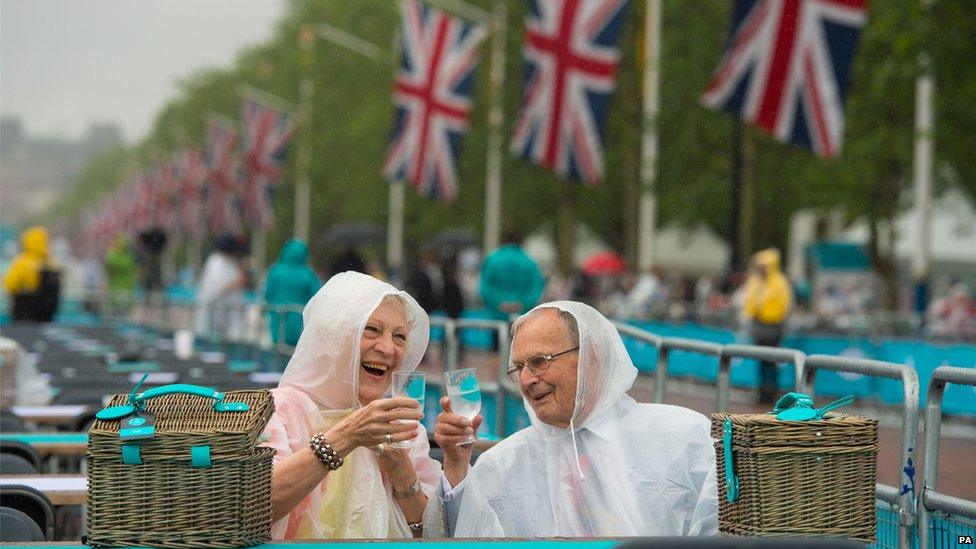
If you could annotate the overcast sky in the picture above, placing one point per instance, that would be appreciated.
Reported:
(67, 63)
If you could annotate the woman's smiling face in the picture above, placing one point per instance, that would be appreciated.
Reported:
(381, 348)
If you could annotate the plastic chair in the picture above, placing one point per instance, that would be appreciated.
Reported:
(9, 423)
(18, 527)
(31, 502)
(22, 450)
(76, 397)
(83, 423)
(13, 464)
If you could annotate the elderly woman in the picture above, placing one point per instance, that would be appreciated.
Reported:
(335, 475)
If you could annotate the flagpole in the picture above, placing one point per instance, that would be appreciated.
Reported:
(394, 232)
(303, 193)
(496, 90)
(647, 221)
(922, 164)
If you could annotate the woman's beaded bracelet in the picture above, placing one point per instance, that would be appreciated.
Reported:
(324, 451)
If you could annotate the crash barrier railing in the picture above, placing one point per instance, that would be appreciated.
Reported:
(452, 339)
(902, 500)
(664, 347)
(942, 519)
(756, 352)
(661, 360)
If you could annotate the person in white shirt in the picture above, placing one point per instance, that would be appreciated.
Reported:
(594, 462)
(222, 279)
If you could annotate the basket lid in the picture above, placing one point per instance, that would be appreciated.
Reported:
(174, 411)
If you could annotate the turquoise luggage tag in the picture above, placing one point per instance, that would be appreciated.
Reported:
(799, 407)
(115, 412)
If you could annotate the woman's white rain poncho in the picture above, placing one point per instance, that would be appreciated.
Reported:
(319, 388)
(620, 469)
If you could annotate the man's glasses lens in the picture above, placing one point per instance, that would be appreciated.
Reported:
(536, 365)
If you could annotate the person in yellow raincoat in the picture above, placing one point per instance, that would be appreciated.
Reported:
(768, 298)
(33, 282)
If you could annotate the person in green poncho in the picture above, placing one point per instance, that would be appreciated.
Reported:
(290, 282)
(120, 266)
(511, 282)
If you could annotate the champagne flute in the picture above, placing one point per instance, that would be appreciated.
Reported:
(465, 395)
(411, 385)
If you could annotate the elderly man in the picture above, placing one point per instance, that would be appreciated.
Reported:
(594, 462)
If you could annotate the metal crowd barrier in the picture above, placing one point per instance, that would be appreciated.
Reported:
(932, 505)
(901, 499)
(756, 352)
(660, 367)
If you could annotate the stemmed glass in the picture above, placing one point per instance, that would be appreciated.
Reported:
(411, 385)
(465, 395)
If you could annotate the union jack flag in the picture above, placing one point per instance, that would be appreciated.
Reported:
(222, 174)
(145, 202)
(192, 175)
(571, 59)
(267, 134)
(432, 96)
(167, 195)
(785, 68)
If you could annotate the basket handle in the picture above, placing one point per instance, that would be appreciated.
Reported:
(139, 399)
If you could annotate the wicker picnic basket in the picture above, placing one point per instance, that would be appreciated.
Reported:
(797, 478)
(189, 477)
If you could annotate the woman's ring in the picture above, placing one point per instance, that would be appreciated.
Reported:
(379, 450)
(389, 438)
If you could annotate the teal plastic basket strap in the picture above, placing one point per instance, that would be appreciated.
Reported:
(200, 456)
(731, 481)
(132, 454)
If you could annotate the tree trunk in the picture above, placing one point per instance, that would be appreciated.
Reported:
(566, 228)
(883, 259)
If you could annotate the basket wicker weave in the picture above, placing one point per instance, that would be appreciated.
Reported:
(166, 501)
(799, 478)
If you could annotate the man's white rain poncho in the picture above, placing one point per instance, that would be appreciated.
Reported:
(620, 469)
(319, 388)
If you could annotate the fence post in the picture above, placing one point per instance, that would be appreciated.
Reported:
(928, 494)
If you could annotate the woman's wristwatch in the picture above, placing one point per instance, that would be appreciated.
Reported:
(409, 492)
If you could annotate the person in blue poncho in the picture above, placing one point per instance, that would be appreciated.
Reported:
(511, 282)
(290, 282)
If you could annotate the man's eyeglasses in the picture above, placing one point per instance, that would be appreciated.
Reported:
(536, 365)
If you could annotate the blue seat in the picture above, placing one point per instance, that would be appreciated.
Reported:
(18, 527)
(32, 503)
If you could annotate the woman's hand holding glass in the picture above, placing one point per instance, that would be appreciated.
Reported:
(411, 385)
(378, 422)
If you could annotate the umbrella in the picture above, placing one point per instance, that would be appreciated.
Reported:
(453, 239)
(353, 234)
(604, 263)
